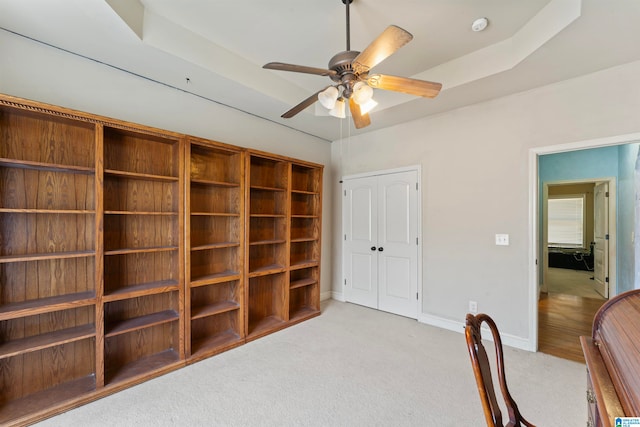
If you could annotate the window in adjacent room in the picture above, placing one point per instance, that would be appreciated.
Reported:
(566, 225)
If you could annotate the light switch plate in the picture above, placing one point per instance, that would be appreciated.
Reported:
(502, 239)
(473, 307)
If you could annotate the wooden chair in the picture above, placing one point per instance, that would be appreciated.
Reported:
(482, 372)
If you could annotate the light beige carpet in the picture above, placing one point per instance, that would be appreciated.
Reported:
(572, 282)
(352, 366)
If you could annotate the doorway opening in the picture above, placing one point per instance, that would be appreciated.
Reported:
(579, 237)
(566, 310)
(578, 231)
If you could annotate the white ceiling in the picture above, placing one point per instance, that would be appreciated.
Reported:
(215, 49)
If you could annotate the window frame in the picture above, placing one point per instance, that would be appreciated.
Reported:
(583, 197)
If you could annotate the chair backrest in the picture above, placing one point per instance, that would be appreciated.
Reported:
(482, 372)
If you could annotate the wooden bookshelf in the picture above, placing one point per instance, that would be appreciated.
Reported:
(142, 240)
(127, 252)
(215, 291)
(267, 230)
(283, 228)
(49, 173)
(306, 229)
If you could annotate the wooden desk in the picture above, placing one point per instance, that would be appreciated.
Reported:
(612, 355)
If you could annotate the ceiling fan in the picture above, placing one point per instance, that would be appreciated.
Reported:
(350, 72)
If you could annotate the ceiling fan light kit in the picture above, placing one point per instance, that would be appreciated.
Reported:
(328, 97)
(339, 109)
(366, 107)
(362, 92)
(350, 72)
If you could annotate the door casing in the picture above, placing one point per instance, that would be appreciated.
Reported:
(534, 219)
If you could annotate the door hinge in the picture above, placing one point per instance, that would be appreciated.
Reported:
(345, 282)
(606, 279)
(345, 237)
(416, 241)
(606, 194)
(416, 186)
(345, 193)
(606, 237)
(416, 295)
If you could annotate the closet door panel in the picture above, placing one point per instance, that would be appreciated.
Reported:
(398, 261)
(361, 239)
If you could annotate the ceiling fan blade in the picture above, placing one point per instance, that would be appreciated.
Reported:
(304, 104)
(359, 119)
(391, 39)
(405, 85)
(280, 66)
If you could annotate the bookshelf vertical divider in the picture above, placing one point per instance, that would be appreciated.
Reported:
(99, 260)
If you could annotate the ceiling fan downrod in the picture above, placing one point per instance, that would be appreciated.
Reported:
(342, 62)
(347, 3)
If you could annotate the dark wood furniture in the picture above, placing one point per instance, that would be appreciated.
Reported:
(612, 354)
(571, 259)
(128, 251)
(482, 373)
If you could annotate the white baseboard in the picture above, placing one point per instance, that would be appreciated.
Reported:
(452, 325)
(325, 295)
(441, 322)
(338, 296)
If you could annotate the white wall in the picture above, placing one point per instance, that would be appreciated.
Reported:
(475, 183)
(474, 162)
(35, 71)
(627, 157)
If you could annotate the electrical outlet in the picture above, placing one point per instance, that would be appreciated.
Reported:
(473, 307)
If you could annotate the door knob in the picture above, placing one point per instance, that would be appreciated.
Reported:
(380, 249)
(373, 248)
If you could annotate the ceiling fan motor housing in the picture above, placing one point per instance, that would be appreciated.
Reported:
(342, 64)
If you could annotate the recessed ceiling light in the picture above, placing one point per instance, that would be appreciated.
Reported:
(479, 24)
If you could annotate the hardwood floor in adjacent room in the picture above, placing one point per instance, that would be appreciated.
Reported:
(562, 319)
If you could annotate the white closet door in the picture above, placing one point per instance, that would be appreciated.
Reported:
(360, 246)
(380, 216)
(397, 244)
